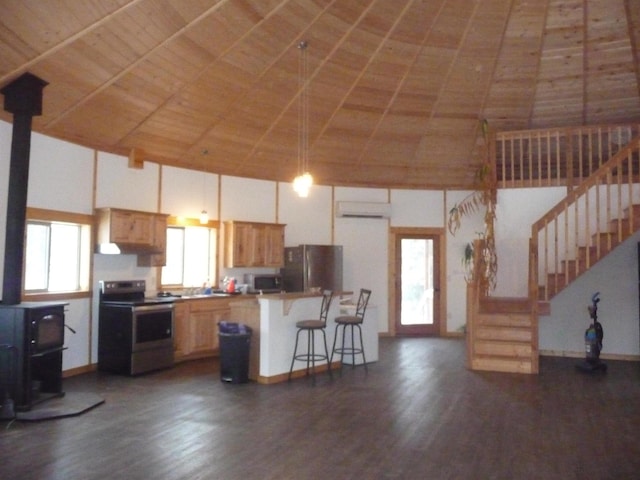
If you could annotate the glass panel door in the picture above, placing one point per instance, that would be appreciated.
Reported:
(418, 295)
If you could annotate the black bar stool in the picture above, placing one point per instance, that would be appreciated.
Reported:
(352, 321)
(311, 326)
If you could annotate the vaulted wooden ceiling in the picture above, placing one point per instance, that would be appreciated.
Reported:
(396, 87)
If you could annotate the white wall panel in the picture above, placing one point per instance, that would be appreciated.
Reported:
(516, 211)
(248, 199)
(308, 219)
(455, 247)
(122, 187)
(61, 168)
(361, 194)
(366, 252)
(75, 316)
(616, 278)
(417, 208)
(185, 193)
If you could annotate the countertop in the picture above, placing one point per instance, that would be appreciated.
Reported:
(253, 297)
(285, 296)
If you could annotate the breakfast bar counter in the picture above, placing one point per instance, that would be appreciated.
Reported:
(273, 320)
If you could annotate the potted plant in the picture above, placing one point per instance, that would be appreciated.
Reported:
(484, 197)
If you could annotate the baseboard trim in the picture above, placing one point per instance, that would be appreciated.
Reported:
(603, 356)
(283, 377)
(79, 370)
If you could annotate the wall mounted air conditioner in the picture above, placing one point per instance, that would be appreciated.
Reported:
(363, 209)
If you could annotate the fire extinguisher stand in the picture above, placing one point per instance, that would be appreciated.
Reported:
(593, 340)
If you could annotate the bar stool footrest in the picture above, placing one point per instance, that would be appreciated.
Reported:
(348, 351)
(307, 356)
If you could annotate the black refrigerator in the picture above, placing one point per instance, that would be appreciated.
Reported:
(308, 266)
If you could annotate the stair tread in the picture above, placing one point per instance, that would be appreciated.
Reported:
(505, 350)
(499, 364)
(505, 305)
(495, 322)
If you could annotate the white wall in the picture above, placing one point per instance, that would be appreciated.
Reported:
(248, 199)
(62, 170)
(516, 211)
(185, 193)
(365, 250)
(616, 278)
(307, 220)
(417, 208)
(455, 248)
(119, 186)
(61, 177)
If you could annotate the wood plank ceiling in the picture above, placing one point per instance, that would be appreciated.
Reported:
(396, 87)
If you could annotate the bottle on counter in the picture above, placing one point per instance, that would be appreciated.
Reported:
(231, 286)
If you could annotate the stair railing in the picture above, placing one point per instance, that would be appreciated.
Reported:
(557, 156)
(585, 225)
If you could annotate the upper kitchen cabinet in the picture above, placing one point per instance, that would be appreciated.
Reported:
(159, 244)
(274, 245)
(130, 231)
(252, 244)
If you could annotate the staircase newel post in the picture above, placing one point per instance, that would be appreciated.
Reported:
(472, 302)
(533, 267)
(533, 300)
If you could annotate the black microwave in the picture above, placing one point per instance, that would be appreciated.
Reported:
(263, 282)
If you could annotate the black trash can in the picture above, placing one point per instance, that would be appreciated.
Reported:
(235, 342)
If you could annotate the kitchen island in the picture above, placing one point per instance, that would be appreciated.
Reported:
(273, 317)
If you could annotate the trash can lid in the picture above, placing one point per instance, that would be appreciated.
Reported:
(233, 327)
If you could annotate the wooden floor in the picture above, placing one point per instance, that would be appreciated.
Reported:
(417, 414)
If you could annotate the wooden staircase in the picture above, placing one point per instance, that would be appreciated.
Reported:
(592, 220)
(501, 336)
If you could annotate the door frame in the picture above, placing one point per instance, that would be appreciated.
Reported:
(394, 275)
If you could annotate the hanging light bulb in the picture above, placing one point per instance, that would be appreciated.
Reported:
(302, 184)
(204, 217)
(303, 181)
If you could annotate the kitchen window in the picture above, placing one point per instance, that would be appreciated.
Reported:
(57, 252)
(191, 256)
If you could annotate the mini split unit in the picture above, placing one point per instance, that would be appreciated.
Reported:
(363, 209)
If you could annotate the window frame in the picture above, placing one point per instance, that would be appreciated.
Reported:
(44, 216)
(173, 221)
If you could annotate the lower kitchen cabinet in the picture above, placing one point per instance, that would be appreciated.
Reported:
(180, 330)
(196, 326)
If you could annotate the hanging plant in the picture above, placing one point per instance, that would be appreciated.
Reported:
(483, 197)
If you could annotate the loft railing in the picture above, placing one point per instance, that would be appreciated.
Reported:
(589, 222)
(557, 157)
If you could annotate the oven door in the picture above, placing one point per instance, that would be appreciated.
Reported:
(152, 327)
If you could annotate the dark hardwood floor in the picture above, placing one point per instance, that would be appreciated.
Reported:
(417, 414)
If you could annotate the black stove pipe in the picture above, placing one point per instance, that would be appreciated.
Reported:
(22, 98)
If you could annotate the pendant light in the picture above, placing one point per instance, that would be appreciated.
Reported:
(204, 217)
(303, 181)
